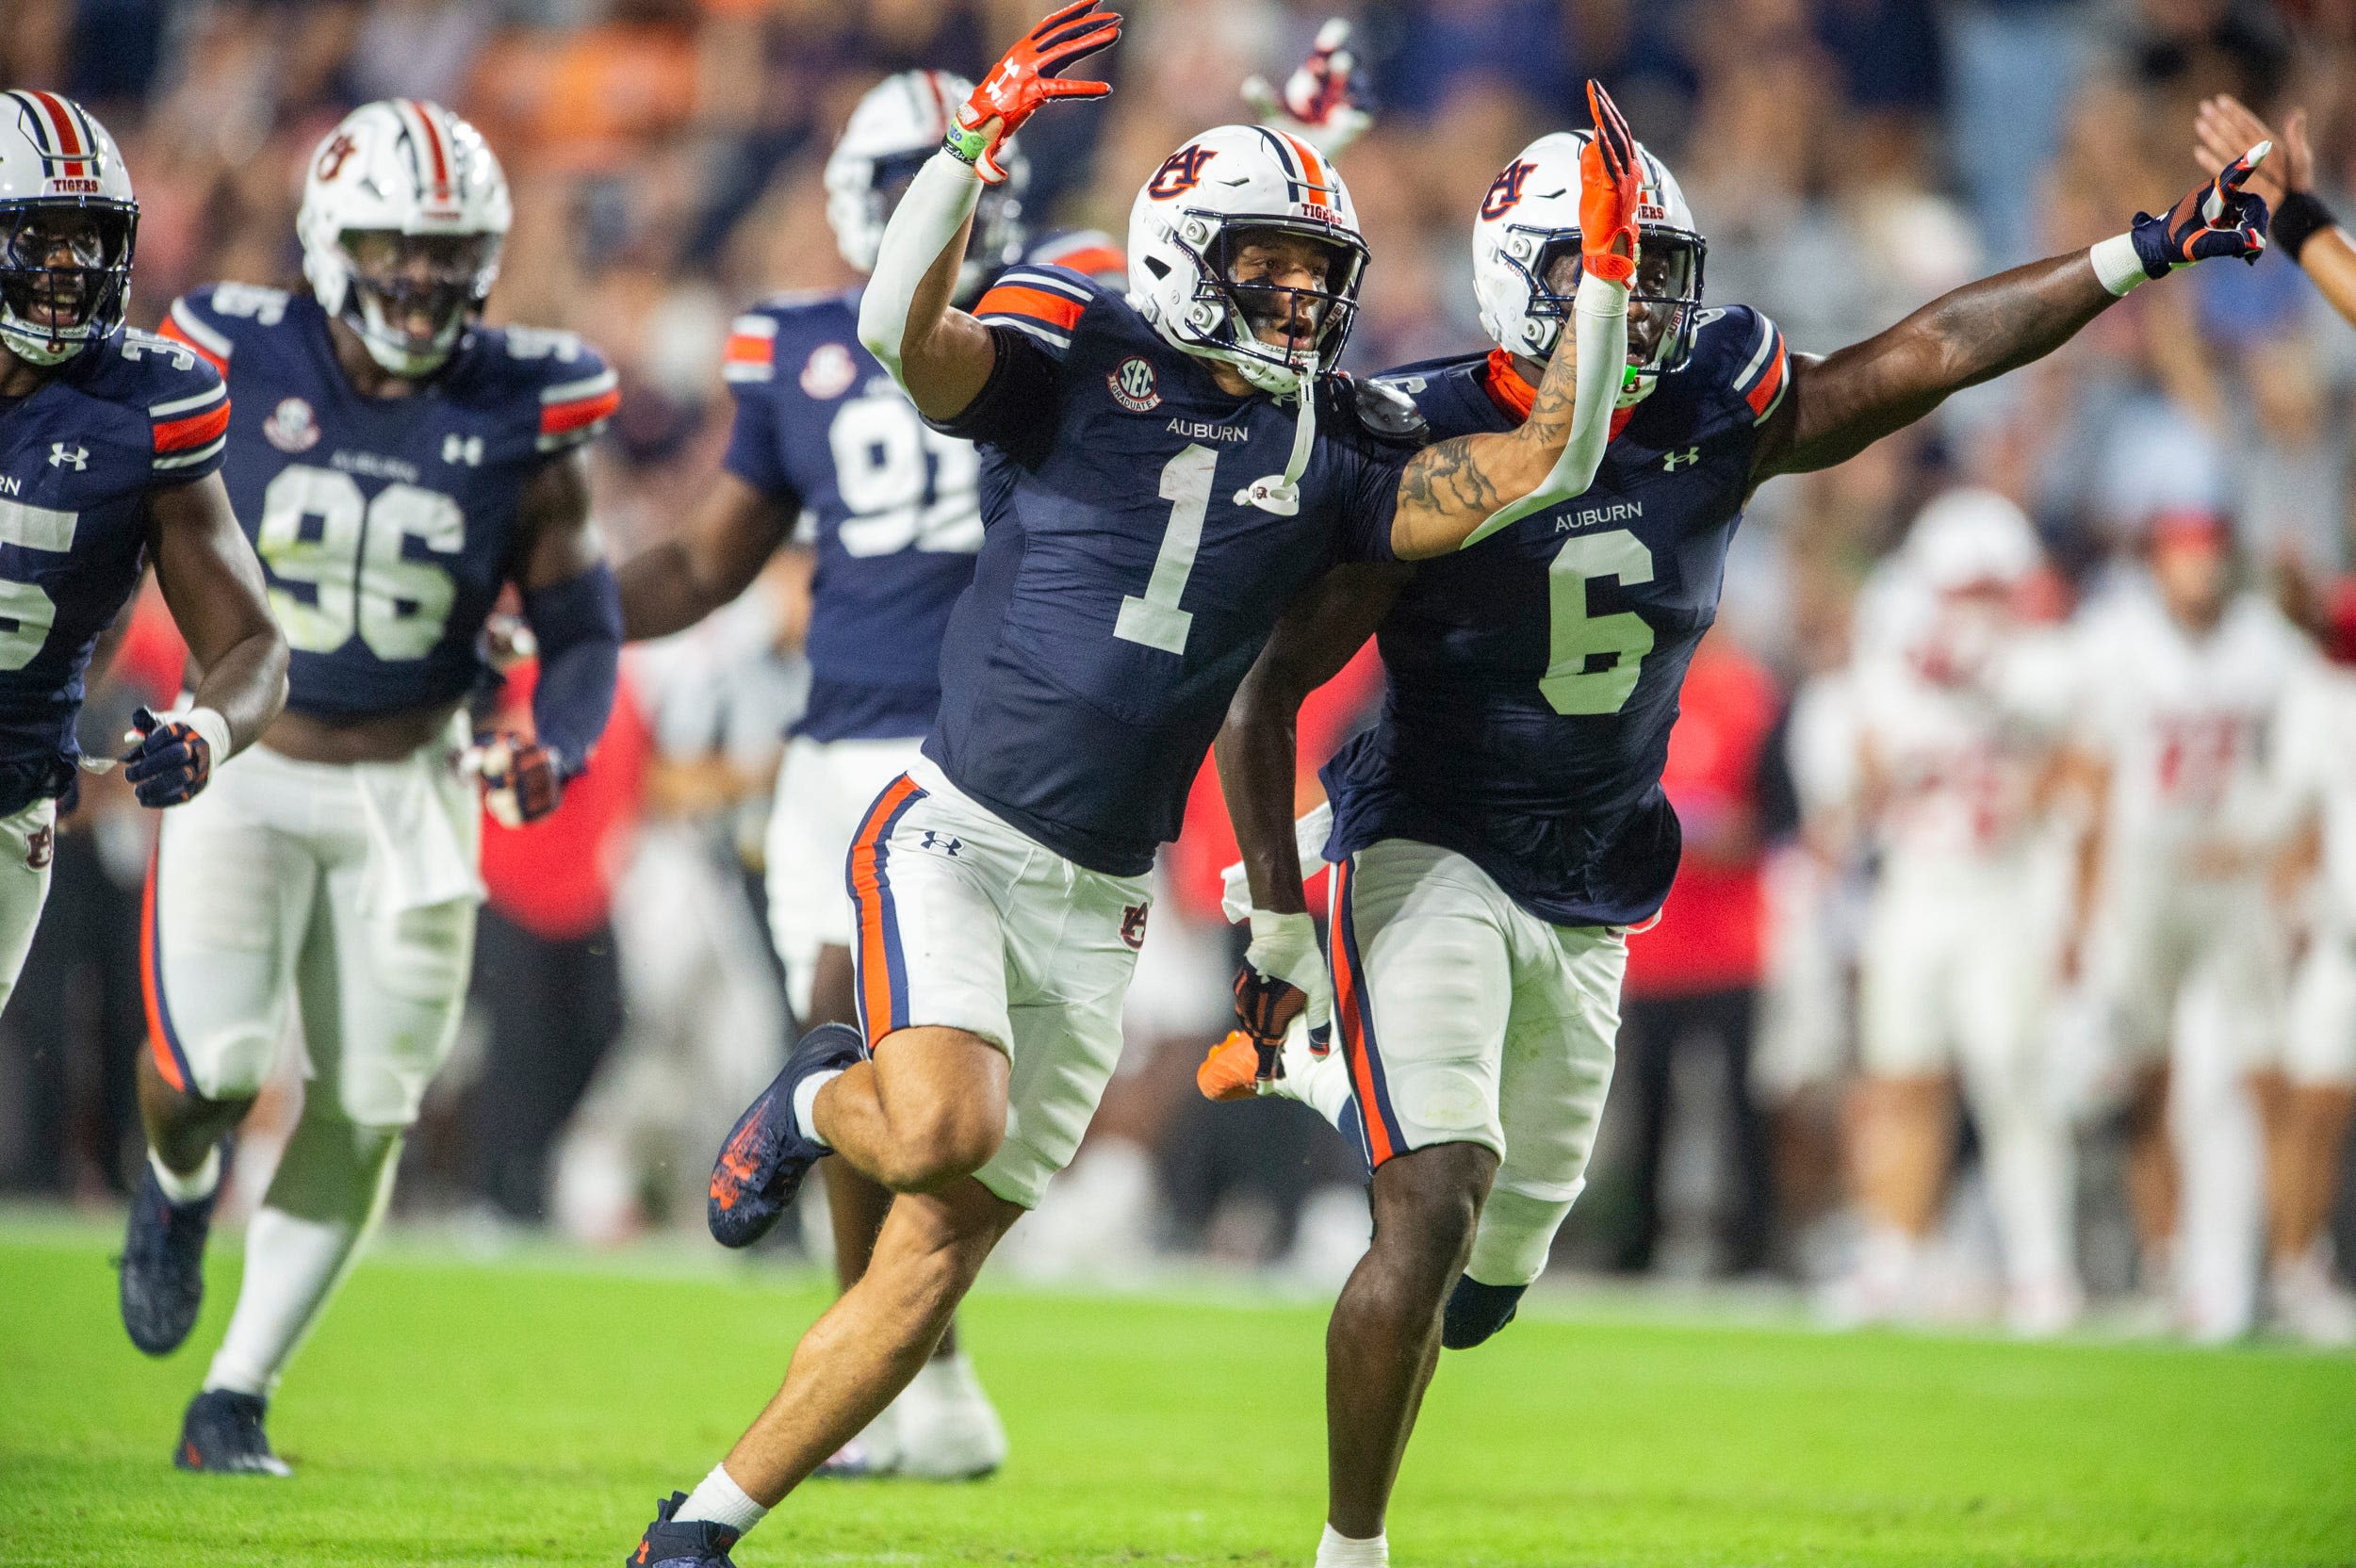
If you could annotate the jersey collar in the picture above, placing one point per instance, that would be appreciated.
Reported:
(1507, 388)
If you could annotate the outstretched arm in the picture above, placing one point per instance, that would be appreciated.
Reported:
(2303, 226)
(939, 356)
(1844, 403)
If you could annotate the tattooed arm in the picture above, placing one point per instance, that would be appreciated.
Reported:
(1451, 488)
(1842, 403)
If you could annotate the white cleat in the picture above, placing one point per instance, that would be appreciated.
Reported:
(2309, 1304)
(948, 1430)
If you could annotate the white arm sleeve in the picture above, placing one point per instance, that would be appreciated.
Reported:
(1599, 315)
(924, 223)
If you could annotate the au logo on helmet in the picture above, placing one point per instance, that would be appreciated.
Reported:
(1505, 191)
(1180, 172)
(1133, 386)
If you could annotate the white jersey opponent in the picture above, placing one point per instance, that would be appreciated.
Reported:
(2184, 719)
(2314, 758)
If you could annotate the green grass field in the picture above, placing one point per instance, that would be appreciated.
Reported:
(451, 1412)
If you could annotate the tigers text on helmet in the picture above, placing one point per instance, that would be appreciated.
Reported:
(68, 223)
(1216, 232)
(1526, 260)
(896, 126)
(404, 211)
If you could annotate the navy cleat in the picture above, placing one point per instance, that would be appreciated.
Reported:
(761, 1165)
(668, 1544)
(163, 1264)
(222, 1435)
(1476, 1311)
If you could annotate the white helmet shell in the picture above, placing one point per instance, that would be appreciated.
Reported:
(407, 167)
(1230, 178)
(55, 154)
(896, 126)
(1970, 538)
(1533, 204)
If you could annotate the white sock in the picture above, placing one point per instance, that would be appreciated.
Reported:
(806, 1103)
(291, 1267)
(188, 1189)
(1337, 1550)
(719, 1499)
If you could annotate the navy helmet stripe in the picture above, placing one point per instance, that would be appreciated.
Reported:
(1284, 156)
(30, 110)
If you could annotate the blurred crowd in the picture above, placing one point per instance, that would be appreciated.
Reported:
(1847, 159)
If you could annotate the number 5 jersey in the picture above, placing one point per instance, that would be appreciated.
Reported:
(1535, 677)
(386, 526)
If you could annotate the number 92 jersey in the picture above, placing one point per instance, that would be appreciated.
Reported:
(386, 526)
(1533, 678)
(78, 457)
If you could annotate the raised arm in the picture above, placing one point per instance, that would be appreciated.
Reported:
(941, 356)
(2303, 226)
(1844, 403)
(214, 586)
(715, 556)
(1458, 492)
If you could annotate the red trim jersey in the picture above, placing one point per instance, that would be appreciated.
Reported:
(78, 458)
(386, 526)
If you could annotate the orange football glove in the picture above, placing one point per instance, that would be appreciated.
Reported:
(1609, 187)
(1025, 79)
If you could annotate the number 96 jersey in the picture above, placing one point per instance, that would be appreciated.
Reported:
(386, 526)
(1535, 677)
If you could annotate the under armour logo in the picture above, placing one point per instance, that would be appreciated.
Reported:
(946, 845)
(62, 455)
(1690, 456)
(463, 449)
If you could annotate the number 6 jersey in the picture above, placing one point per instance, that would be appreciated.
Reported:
(1535, 677)
(386, 526)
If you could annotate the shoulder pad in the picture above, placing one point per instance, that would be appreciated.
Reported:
(577, 390)
(1384, 410)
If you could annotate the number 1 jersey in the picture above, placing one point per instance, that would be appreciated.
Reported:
(386, 526)
(1125, 584)
(1533, 678)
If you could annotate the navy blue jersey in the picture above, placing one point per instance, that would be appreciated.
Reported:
(386, 526)
(77, 459)
(890, 503)
(1123, 587)
(1533, 679)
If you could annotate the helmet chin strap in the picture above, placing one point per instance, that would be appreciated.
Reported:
(40, 348)
(1280, 494)
(386, 346)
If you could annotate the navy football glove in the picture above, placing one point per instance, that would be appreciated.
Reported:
(2222, 218)
(522, 780)
(170, 760)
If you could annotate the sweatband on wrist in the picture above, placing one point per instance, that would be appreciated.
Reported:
(577, 623)
(210, 723)
(2116, 264)
(938, 202)
(2298, 220)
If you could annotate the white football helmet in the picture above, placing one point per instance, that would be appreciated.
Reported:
(1187, 222)
(1969, 539)
(1526, 260)
(896, 126)
(68, 224)
(404, 212)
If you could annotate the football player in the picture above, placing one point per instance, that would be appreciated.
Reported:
(1158, 479)
(397, 465)
(110, 443)
(2181, 683)
(2303, 226)
(1959, 742)
(822, 429)
(1503, 824)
